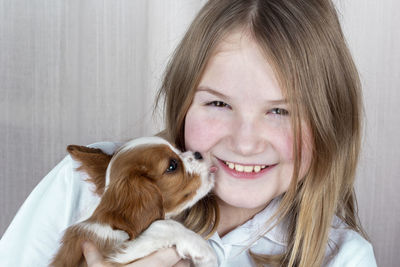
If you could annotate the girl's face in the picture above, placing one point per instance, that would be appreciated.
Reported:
(240, 117)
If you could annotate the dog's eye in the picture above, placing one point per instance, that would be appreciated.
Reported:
(173, 164)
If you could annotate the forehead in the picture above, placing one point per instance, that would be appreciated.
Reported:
(238, 64)
(233, 41)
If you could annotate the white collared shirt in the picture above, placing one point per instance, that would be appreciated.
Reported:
(63, 198)
(232, 249)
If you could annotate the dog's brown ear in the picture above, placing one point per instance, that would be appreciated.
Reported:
(94, 162)
(131, 204)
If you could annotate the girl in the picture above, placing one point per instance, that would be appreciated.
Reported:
(267, 88)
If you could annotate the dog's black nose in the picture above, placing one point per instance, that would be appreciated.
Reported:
(197, 155)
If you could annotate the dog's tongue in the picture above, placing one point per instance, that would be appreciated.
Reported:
(213, 169)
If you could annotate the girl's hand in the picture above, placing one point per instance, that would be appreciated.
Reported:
(165, 257)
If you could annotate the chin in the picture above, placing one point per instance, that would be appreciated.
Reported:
(244, 196)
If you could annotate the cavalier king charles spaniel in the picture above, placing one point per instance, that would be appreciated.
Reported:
(144, 184)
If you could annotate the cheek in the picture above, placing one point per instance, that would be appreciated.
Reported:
(201, 131)
(287, 153)
(282, 140)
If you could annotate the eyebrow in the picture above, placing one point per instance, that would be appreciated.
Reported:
(278, 102)
(211, 91)
(216, 93)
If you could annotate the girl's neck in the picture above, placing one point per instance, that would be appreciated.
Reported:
(232, 217)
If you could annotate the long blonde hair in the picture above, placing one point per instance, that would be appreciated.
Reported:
(303, 41)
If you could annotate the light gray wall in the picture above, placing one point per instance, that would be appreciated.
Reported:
(77, 71)
(373, 33)
(81, 71)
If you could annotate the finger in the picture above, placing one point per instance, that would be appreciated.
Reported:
(92, 255)
(169, 256)
(182, 263)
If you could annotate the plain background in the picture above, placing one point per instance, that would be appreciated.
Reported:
(82, 71)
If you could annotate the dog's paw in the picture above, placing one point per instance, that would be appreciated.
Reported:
(164, 234)
(197, 250)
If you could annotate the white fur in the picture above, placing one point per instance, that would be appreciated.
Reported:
(166, 234)
(104, 231)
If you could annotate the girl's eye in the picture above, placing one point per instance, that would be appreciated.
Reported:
(279, 111)
(218, 104)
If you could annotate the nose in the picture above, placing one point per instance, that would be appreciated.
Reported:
(197, 155)
(248, 137)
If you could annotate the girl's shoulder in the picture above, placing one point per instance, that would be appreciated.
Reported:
(347, 247)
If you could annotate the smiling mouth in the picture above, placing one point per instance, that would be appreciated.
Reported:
(245, 168)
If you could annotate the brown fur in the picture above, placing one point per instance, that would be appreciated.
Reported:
(71, 252)
(140, 192)
(94, 162)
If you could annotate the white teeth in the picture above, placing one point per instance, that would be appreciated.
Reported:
(239, 168)
(248, 168)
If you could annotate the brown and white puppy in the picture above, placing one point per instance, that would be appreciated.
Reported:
(143, 184)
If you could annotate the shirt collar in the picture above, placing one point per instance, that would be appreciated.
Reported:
(249, 232)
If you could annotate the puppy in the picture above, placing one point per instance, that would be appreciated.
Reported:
(142, 185)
